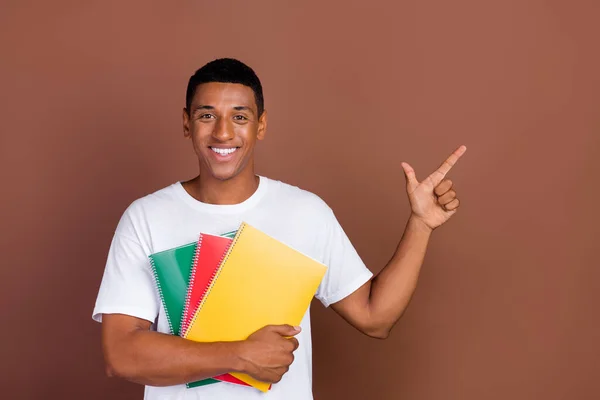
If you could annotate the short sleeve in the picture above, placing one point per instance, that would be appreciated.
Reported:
(127, 285)
(346, 271)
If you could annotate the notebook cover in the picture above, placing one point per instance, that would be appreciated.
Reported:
(261, 281)
(210, 251)
(171, 269)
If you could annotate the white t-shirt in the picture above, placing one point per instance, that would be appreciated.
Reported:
(171, 217)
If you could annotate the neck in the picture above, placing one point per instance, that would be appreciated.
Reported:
(207, 189)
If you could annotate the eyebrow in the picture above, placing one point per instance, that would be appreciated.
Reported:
(237, 108)
(203, 107)
(243, 108)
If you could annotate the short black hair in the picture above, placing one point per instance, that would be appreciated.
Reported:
(226, 70)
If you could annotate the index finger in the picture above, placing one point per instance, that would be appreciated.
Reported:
(447, 165)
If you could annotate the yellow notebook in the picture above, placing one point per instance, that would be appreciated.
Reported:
(261, 281)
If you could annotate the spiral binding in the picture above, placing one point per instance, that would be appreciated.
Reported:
(230, 234)
(186, 304)
(160, 293)
(215, 275)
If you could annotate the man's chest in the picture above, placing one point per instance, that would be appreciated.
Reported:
(179, 228)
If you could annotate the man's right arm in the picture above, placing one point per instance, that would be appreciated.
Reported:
(133, 352)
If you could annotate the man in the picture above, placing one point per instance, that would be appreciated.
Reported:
(223, 118)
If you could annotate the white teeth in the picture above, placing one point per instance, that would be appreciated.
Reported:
(223, 152)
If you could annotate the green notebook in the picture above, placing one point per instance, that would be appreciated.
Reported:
(171, 269)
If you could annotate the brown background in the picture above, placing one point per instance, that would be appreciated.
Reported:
(506, 306)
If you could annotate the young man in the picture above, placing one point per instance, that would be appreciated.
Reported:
(223, 118)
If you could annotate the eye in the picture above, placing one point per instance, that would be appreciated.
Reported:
(240, 118)
(206, 116)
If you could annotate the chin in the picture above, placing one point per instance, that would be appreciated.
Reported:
(224, 175)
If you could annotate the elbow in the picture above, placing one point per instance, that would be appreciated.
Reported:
(377, 331)
(114, 369)
(110, 371)
(110, 368)
(117, 366)
(380, 329)
(380, 334)
(122, 370)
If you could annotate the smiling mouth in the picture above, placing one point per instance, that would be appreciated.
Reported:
(224, 152)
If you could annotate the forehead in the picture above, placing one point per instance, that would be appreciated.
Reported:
(224, 94)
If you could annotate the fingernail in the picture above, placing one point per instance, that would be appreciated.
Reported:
(297, 328)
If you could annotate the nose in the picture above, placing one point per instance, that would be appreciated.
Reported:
(223, 130)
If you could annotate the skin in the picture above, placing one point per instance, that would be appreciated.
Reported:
(376, 306)
(224, 115)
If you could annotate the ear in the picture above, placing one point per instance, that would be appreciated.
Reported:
(186, 123)
(262, 126)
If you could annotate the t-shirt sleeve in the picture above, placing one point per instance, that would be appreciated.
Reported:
(346, 271)
(127, 285)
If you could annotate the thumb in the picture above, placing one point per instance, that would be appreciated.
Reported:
(411, 178)
(285, 330)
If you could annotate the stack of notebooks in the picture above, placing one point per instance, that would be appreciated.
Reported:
(224, 288)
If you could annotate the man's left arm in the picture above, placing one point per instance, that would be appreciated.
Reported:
(376, 306)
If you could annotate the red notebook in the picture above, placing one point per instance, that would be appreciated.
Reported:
(210, 251)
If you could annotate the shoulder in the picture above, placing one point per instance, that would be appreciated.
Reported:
(158, 202)
(298, 199)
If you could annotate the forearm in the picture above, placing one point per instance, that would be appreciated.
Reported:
(157, 359)
(392, 289)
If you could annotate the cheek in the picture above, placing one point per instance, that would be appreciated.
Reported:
(201, 133)
(246, 132)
